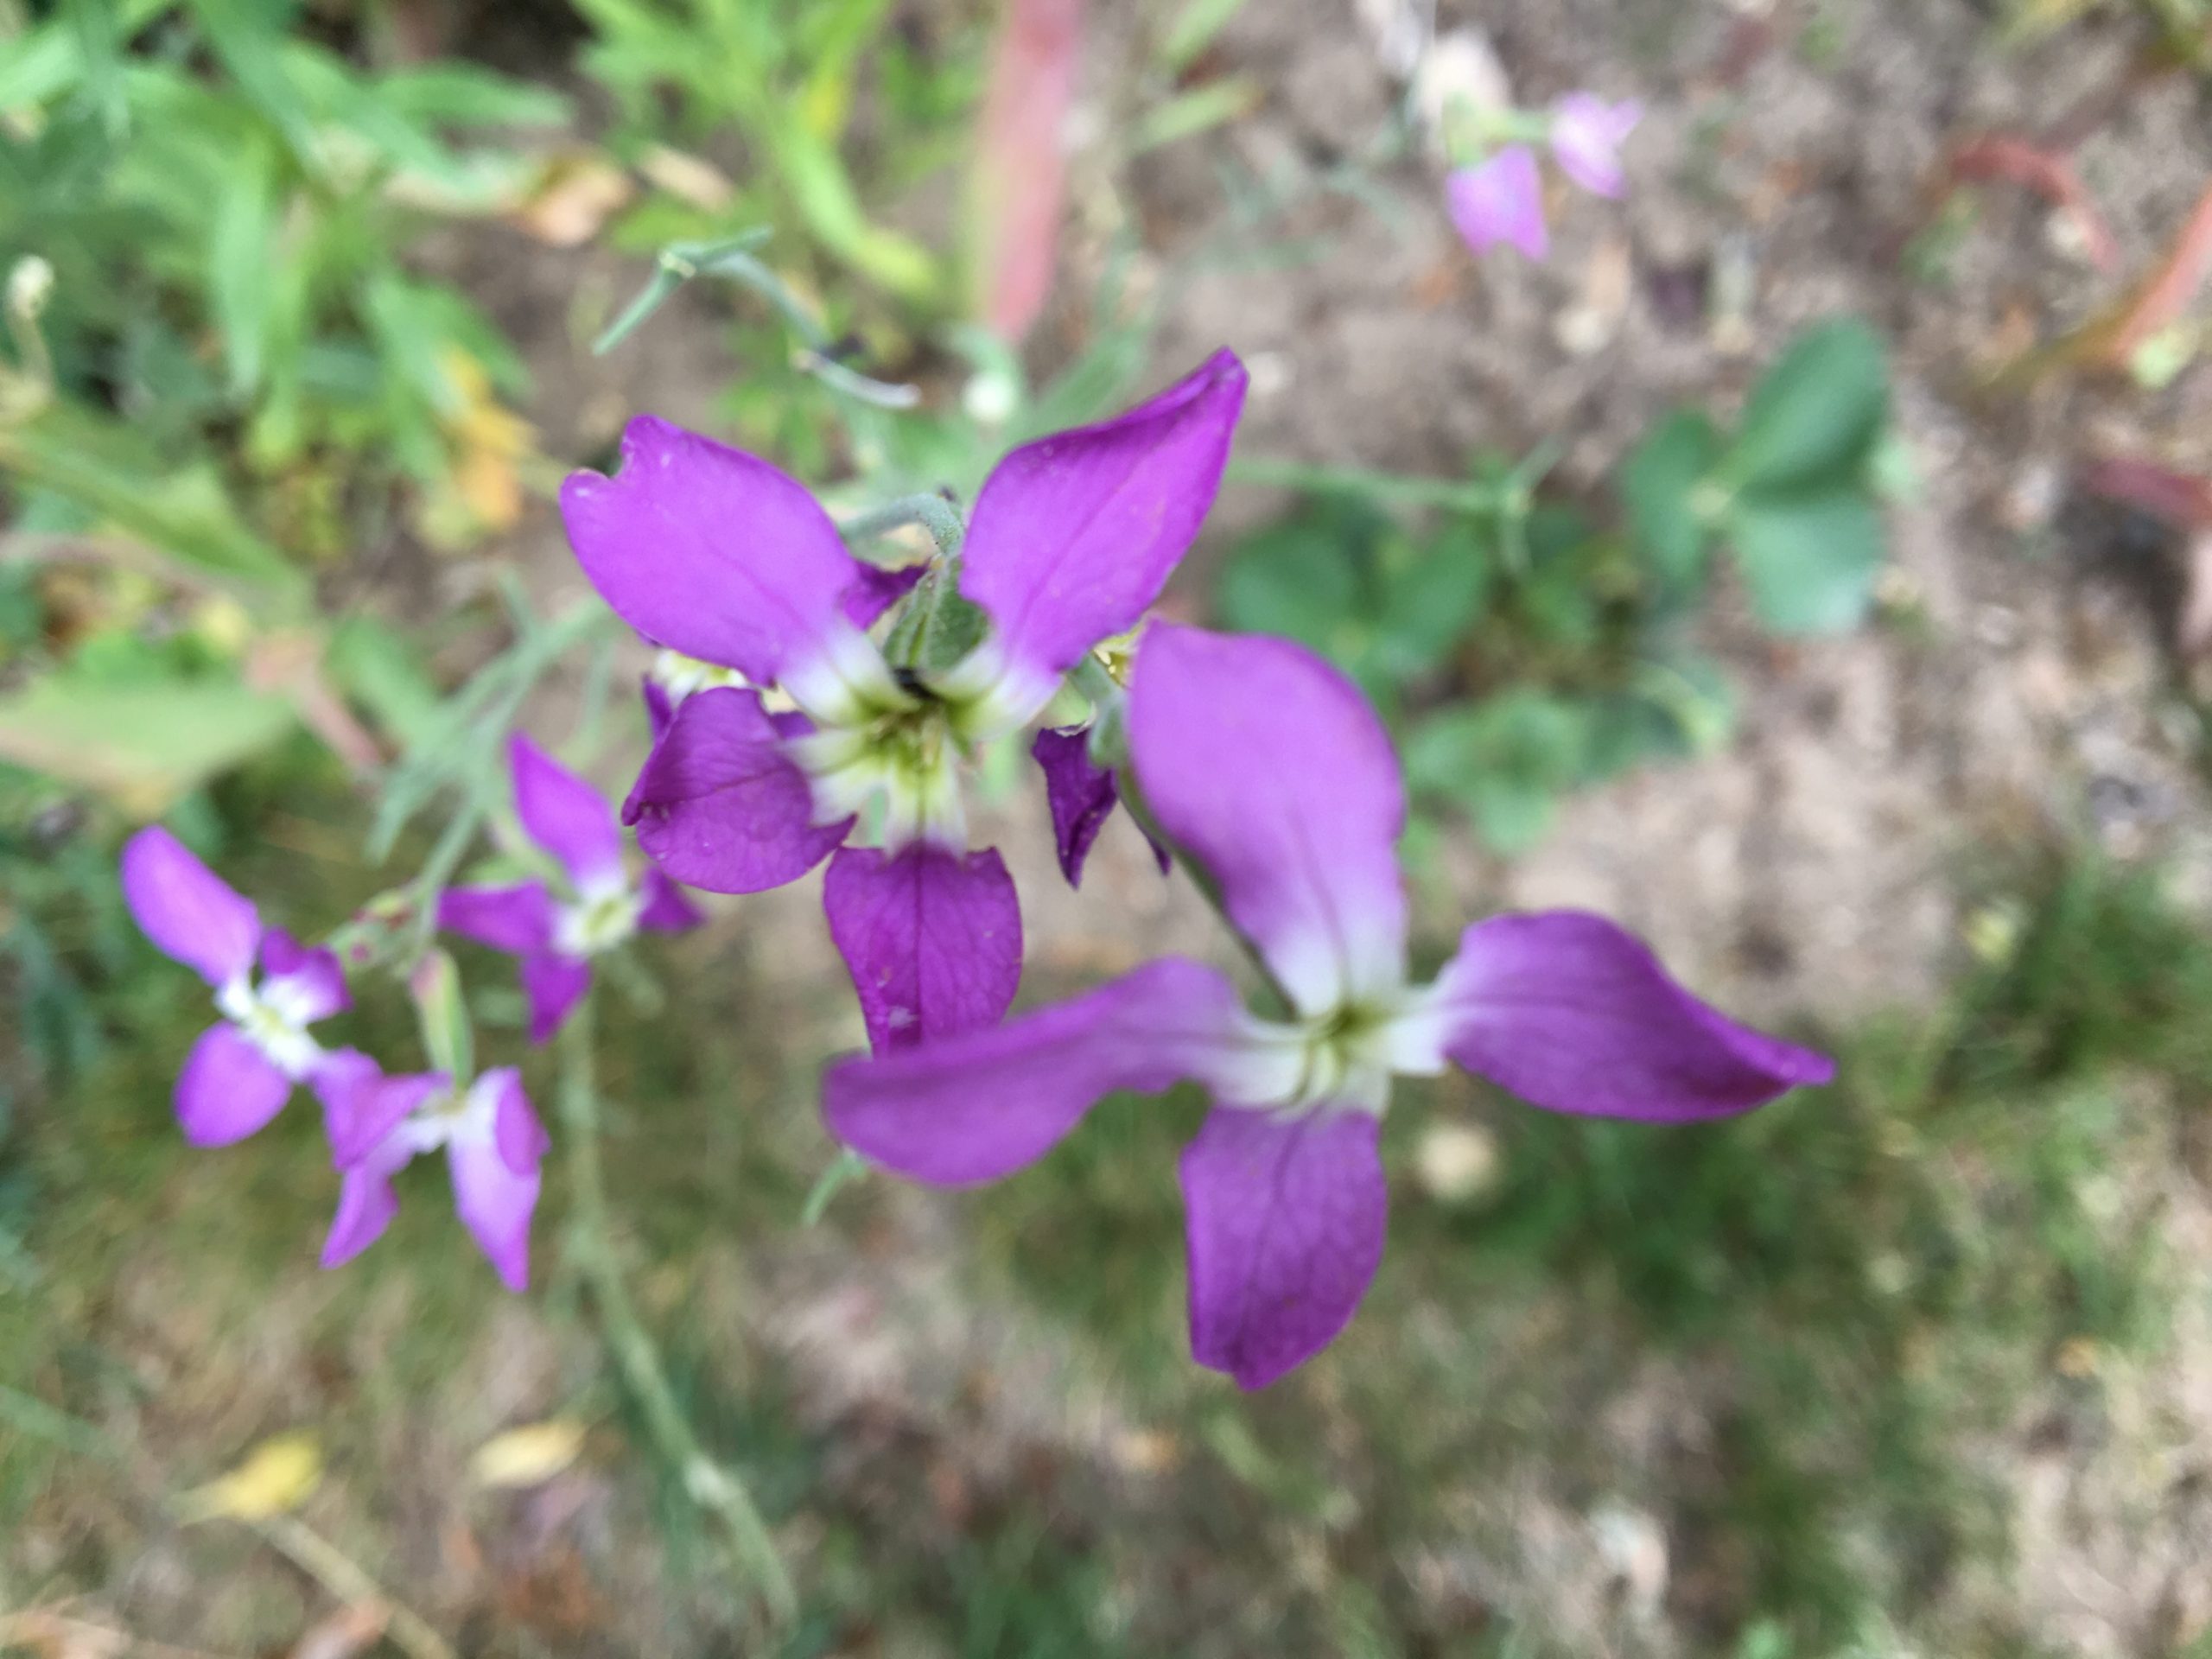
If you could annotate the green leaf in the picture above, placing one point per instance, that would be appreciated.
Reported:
(1660, 483)
(376, 666)
(146, 741)
(1817, 413)
(241, 257)
(1810, 560)
(1503, 761)
(1200, 110)
(1301, 579)
(1193, 30)
(249, 36)
(1431, 599)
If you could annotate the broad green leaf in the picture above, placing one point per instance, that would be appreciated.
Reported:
(1431, 598)
(1660, 483)
(144, 742)
(1301, 579)
(1503, 761)
(1815, 415)
(1810, 560)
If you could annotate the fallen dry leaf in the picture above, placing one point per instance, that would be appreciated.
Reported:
(528, 1455)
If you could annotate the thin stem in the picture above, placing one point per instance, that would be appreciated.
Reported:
(931, 512)
(337, 1573)
(714, 1488)
(1390, 487)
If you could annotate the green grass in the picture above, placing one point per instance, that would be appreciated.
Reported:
(1789, 1340)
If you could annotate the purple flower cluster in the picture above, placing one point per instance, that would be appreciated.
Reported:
(240, 1073)
(784, 736)
(1501, 198)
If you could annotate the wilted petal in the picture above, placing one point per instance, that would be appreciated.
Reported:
(306, 984)
(565, 815)
(520, 1137)
(228, 1088)
(495, 1203)
(1285, 1217)
(552, 984)
(185, 909)
(663, 908)
(721, 806)
(1081, 796)
(1571, 1013)
(1501, 200)
(1267, 765)
(876, 589)
(712, 552)
(518, 920)
(1586, 135)
(933, 939)
(1073, 535)
(963, 1109)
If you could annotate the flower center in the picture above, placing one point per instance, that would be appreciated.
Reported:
(597, 921)
(273, 1023)
(901, 756)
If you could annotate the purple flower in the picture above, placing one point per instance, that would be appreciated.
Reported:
(556, 935)
(493, 1141)
(241, 1072)
(1586, 138)
(719, 557)
(1264, 766)
(1500, 199)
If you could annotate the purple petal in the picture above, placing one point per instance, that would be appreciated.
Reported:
(876, 589)
(1586, 137)
(720, 805)
(362, 1106)
(1573, 1015)
(1081, 796)
(1285, 1217)
(552, 984)
(1073, 535)
(1501, 200)
(520, 1137)
(185, 909)
(366, 1202)
(565, 815)
(712, 552)
(665, 910)
(660, 708)
(963, 1109)
(495, 1203)
(310, 983)
(933, 939)
(228, 1088)
(1266, 765)
(518, 920)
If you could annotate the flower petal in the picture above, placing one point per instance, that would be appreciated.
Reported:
(552, 984)
(228, 1088)
(1081, 796)
(712, 552)
(1573, 1015)
(362, 1106)
(721, 806)
(660, 708)
(520, 1137)
(877, 588)
(565, 814)
(517, 920)
(185, 909)
(366, 1202)
(1266, 765)
(933, 939)
(307, 984)
(1285, 1218)
(663, 908)
(1586, 137)
(963, 1110)
(1073, 535)
(495, 1204)
(1501, 200)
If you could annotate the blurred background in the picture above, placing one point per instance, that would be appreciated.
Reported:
(1808, 565)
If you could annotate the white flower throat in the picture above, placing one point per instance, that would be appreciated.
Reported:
(274, 1018)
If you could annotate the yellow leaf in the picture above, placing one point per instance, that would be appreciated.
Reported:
(528, 1455)
(278, 1475)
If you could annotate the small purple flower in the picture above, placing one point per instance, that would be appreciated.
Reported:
(493, 1141)
(1500, 199)
(1266, 769)
(1586, 137)
(720, 558)
(242, 1071)
(556, 935)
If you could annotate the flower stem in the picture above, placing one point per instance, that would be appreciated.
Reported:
(931, 512)
(718, 1490)
(1390, 487)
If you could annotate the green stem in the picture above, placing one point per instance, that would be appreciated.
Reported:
(931, 512)
(720, 1492)
(1388, 487)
